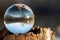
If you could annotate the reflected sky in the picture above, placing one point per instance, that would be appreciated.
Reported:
(18, 12)
(19, 27)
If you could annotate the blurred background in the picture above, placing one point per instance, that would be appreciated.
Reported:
(47, 12)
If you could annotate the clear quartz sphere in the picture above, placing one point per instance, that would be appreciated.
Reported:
(19, 18)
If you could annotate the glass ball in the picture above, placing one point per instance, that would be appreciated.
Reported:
(19, 18)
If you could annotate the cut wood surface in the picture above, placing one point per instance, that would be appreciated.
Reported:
(43, 35)
(22, 37)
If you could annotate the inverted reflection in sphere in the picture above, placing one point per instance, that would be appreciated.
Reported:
(19, 18)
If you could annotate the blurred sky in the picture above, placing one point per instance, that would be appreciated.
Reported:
(47, 12)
